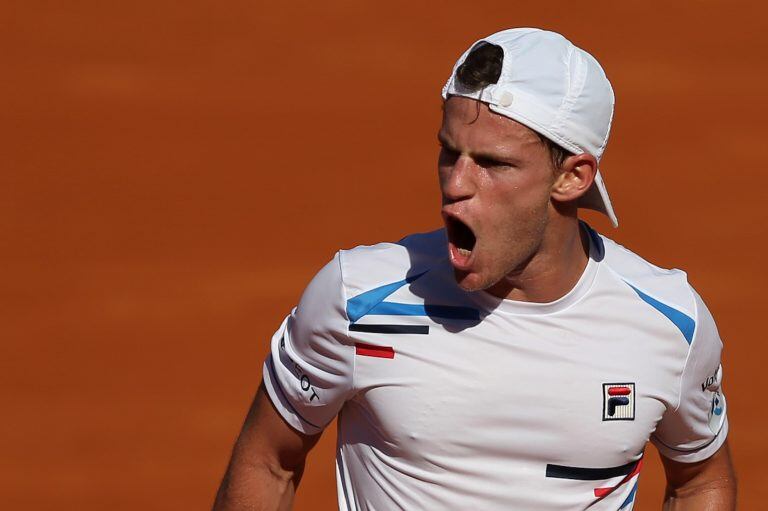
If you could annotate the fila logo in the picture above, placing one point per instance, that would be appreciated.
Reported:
(618, 401)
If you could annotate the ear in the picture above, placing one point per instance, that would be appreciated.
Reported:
(576, 176)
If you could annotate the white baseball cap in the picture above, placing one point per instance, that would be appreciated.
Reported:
(554, 88)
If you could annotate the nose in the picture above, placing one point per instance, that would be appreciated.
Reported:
(457, 179)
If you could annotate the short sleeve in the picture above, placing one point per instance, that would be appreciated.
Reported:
(698, 426)
(308, 372)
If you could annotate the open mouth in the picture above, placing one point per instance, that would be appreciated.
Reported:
(461, 240)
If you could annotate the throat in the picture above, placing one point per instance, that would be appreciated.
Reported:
(549, 274)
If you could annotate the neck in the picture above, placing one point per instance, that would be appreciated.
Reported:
(553, 270)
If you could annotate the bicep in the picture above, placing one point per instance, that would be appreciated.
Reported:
(307, 377)
(706, 484)
(267, 461)
(267, 436)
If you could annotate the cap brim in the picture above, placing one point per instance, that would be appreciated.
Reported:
(597, 199)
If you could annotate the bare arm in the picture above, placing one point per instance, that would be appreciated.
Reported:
(709, 485)
(267, 462)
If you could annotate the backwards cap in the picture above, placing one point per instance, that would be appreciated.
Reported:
(554, 88)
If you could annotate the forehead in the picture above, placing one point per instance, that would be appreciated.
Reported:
(469, 124)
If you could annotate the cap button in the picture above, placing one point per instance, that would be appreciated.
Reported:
(505, 99)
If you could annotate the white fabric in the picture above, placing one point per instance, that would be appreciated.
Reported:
(554, 88)
(470, 415)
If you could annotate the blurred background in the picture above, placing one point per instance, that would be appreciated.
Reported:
(173, 174)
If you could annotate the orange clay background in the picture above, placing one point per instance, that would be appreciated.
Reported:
(173, 174)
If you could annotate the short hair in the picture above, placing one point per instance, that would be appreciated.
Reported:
(481, 68)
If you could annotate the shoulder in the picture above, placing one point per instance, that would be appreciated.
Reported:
(671, 286)
(666, 290)
(369, 270)
(369, 266)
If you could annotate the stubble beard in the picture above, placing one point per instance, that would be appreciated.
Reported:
(506, 278)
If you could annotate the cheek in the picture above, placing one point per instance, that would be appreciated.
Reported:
(519, 217)
(521, 199)
(520, 226)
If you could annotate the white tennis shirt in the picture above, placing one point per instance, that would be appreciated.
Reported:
(463, 401)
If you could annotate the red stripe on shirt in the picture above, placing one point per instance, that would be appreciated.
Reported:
(604, 492)
(369, 350)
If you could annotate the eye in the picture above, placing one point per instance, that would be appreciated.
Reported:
(448, 156)
(490, 163)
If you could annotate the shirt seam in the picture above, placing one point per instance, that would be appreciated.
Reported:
(690, 346)
(691, 450)
(279, 388)
(576, 301)
(344, 295)
(694, 338)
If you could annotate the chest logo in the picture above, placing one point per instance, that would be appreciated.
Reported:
(618, 401)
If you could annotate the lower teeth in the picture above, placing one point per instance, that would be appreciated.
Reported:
(464, 252)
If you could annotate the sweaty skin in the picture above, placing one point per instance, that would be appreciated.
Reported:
(267, 462)
(708, 485)
(496, 177)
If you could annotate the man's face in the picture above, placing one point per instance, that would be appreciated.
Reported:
(496, 177)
